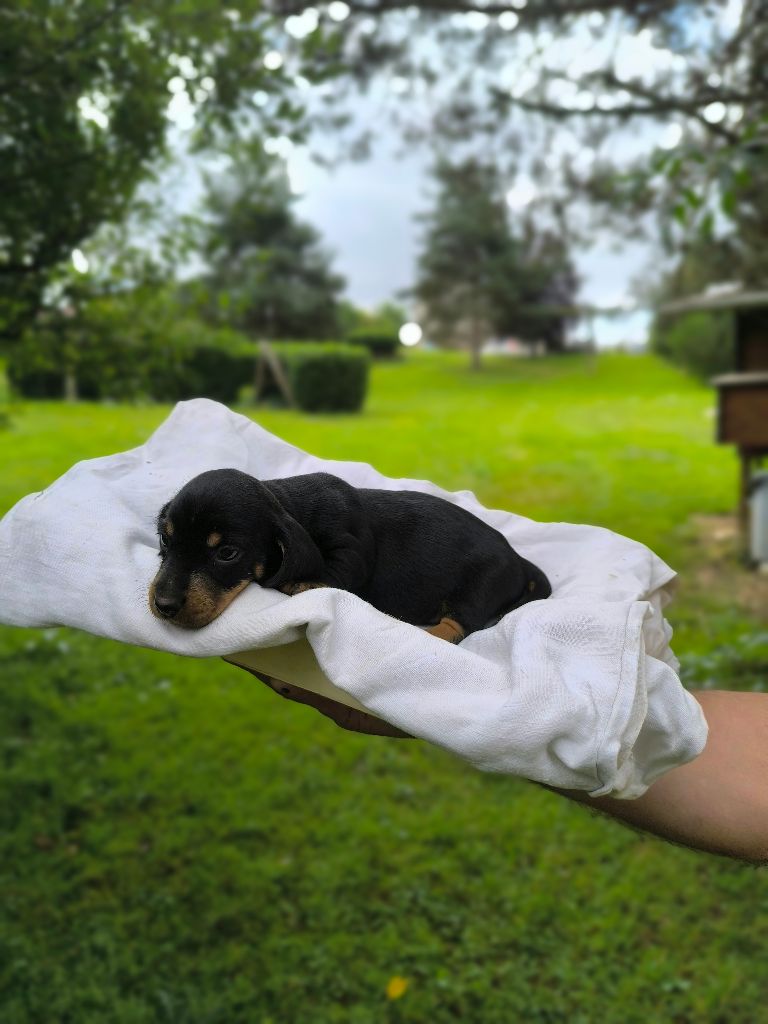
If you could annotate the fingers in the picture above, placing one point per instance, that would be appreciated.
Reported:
(343, 716)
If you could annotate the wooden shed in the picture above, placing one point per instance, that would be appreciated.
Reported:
(742, 395)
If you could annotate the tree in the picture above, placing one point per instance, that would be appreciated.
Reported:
(476, 278)
(509, 74)
(541, 307)
(387, 317)
(89, 90)
(269, 275)
(85, 102)
(702, 342)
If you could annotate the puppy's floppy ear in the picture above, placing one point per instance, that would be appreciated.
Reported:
(296, 557)
(301, 558)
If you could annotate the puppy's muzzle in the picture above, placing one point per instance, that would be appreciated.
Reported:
(168, 607)
(199, 605)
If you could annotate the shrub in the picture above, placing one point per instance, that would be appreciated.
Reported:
(130, 347)
(33, 367)
(197, 361)
(700, 342)
(144, 345)
(326, 377)
(381, 344)
(31, 383)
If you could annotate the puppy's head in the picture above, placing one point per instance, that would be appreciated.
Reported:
(223, 530)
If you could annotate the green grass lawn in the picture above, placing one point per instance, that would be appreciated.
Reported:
(179, 845)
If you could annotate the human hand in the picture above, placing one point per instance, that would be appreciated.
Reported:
(346, 717)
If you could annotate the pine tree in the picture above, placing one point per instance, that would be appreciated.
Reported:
(476, 277)
(269, 274)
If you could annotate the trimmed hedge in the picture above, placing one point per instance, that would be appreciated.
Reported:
(381, 345)
(326, 377)
(212, 364)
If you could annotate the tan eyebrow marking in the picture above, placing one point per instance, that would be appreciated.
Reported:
(213, 539)
(168, 528)
(259, 570)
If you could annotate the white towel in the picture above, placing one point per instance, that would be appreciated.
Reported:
(578, 691)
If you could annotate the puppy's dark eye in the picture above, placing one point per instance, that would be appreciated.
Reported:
(163, 542)
(227, 553)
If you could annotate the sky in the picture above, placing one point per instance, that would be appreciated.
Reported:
(366, 210)
(366, 213)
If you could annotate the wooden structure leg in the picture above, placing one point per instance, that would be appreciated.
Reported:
(745, 460)
(750, 460)
(268, 360)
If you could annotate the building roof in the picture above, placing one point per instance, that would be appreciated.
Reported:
(741, 380)
(726, 300)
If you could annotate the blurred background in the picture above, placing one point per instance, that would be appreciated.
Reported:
(517, 247)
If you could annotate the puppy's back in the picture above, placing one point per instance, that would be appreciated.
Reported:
(434, 557)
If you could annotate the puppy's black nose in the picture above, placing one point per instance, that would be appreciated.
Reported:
(167, 606)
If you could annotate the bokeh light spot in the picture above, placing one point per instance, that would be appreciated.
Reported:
(410, 334)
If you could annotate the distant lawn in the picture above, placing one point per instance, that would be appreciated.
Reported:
(178, 845)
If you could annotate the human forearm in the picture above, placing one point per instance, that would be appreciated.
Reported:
(719, 801)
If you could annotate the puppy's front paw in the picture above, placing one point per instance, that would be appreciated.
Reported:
(448, 629)
(291, 589)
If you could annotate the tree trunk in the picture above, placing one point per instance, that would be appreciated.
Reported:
(70, 385)
(475, 342)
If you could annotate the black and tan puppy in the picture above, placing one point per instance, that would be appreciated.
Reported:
(416, 557)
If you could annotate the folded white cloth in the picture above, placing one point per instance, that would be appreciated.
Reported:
(578, 691)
